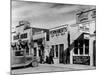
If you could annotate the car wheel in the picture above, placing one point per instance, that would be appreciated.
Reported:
(34, 64)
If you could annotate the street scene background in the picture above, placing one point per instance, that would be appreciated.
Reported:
(52, 37)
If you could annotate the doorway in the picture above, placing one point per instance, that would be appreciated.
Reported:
(35, 51)
(61, 52)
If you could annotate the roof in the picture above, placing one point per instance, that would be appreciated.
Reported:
(58, 27)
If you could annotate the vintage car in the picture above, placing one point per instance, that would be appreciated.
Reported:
(20, 59)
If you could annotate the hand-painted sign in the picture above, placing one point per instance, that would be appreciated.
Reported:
(58, 32)
(84, 27)
(20, 36)
(83, 16)
(85, 60)
(86, 15)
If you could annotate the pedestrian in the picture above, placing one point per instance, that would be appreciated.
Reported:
(41, 59)
(64, 57)
(51, 57)
(51, 60)
(46, 60)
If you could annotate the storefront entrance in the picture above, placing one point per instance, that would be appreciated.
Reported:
(81, 51)
(35, 51)
(61, 53)
(39, 49)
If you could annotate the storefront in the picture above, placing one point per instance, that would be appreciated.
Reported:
(39, 39)
(29, 40)
(20, 43)
(39, 46)
(81, 50)
(83, 38)
(59, 43)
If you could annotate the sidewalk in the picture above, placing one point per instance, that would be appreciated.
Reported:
(71, 66)
(52, 68)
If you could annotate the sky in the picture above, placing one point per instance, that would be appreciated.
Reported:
(43, 14)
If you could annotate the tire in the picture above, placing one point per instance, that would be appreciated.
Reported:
(34, 64)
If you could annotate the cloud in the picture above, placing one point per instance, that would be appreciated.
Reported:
(45, 15)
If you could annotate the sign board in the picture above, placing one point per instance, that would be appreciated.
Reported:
(20, 36)
(86, 36)
(15, 37)
(84, 27)
(58, 32)
(86, 15)
(26, 24)
(83, 17)
(85, 60)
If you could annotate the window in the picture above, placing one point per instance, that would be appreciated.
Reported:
(80, 47)
(76, 43)
(56, 49)
(19, 53)
(52, 50)
(86, 46)
(76, 47)
(75, 50)
(81, 51)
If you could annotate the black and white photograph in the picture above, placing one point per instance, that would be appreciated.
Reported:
(52, 37)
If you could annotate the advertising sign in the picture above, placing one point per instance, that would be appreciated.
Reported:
(20, 36)
(84, 27)
(23, 22)
(58, 32)
(86, 36)
(85, 16)
(85, 60)
(93, 14)
(82, 17)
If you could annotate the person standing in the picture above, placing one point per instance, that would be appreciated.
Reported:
(47, 60)
(64, 57)
(51, 57)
